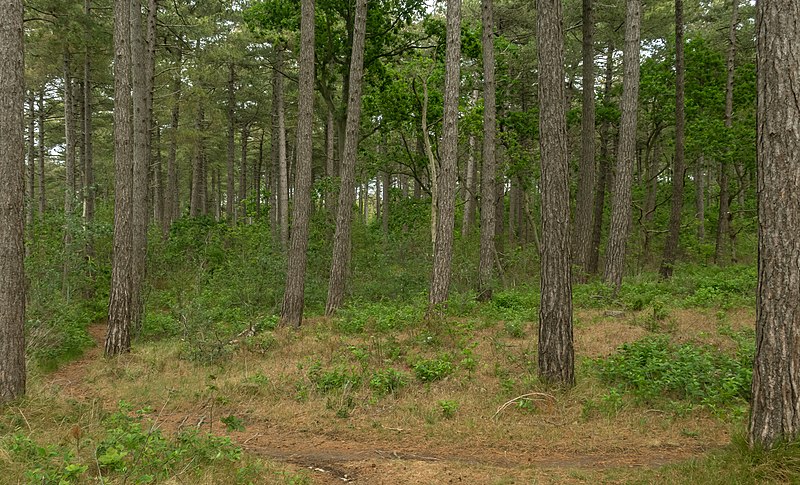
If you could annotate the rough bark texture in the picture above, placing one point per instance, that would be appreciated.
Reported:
(723, 220)
(293, 299)
(118, 339)
(30, 178)
(775, 410)
(446, 178)
(12, 203)
(69, 170)
(88, 136)
(340, 262)
(283, 167)
(469, 189)
(626, 154)
(556, 354)
(243, 173)
(230, 196)
(198, 174)
(42, 153)
(678, 168)
(587, 173)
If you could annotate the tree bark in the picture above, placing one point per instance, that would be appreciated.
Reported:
(340, 263)
(626, 155)
(775, 406)
(724, 216)
(42, 153)
(293, 299)
(488, 182)
(671, 245)
(69, 166)
(12, 203)
(446, 183)
(30, 179)
(172, 200)
(582, 246)
(257, 174)
(699, 198)
(158, 179)
(196, 207)
(283, 168)
(120, 307)
(469, 189)
(387, 194)
(556, 354)
(243, 173)
(230, 195)
(88, 140)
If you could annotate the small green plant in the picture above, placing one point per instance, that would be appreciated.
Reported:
(429, 370)
(515, 329)
(448, 407)
(387, 381)
(233, 423)
(333, 379)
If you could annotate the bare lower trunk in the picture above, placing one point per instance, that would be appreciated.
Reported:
(198, 198)
(42, 153)
(30, 179)
(243, 173)
(69, 166)
(172, 200)
(230, 196)
(699, 199)
(12, 203)
(88, 142)
(292, 311)
(488, 183)
(283, 167)
(626, 155)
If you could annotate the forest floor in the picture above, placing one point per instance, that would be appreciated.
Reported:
(302, 400)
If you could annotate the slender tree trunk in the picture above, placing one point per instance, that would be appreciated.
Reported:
(172, 200)
(198, 173)
(89, 194)
(671, 245)
(556, 354)
(292, 311)
(513, 199)
(120, 308)
(488, 182)
(699, 198)
(283, 167)
(158, 180)
(12, 203)
(775, 406)
(582, 246)
(446, 186)
(626, 156)
(469, 189)
(387, 198)
(230, 196)
(340, 263)
(723, 220)
(432, 163)
(243, 173)
(30, 209)
(42, 153)
(69, 166)
(257, 174)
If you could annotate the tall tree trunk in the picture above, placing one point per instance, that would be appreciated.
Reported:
(556, 354)
(513, 200)
(88, 143)
(723, 220)
(12, 203)
(120, 307)
(257, 174)
(488, 182)
(198, 173)
(699, 198)
(340, 263)
(387, 198)
(30, 179)
(446, 186)
(293, 299)
(283, 167)
(230, 196)
(243, 173)
(775, 406)
(69, 166)
(582, 246)
(158, 179)
(172, 200)
(671, 245)
(469, 188)
(330, 162)
(626, 155)
(42, 153)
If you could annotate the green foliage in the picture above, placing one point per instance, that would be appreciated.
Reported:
(338, 378)
(654, 369)
(387, 381)
(448, 407)
(429, 370)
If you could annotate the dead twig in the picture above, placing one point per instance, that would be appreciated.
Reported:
(530, 396)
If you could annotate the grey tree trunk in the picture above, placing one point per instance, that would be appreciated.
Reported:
(556, 354)
(469, 189)
(243, 173)
(158, 179)
(42, 153)
(671, 245)
(724, 217)
(626, 154)
(699, 198)
(283, 166)
(30, 179)
(12, 203)
(172, 199)
(120, 307)
(488, 182)
(582, 234)
(88, 140)
(446, 183)
(196, 206)
(340, 263)
(293, 298)
(387, 194)
(230, 194)
(69, 166)
(775, 405)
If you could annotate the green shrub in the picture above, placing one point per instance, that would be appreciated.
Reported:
(334, 379)
(429, 370)
(387, 381)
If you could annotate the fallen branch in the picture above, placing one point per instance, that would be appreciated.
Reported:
(543, 396)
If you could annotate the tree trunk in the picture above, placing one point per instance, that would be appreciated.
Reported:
(257, 174)
(723, 221)
(283, 168)
(230, 195)
(88, 144)
(582, 246)
(626, 156)
(671, 245)
(69, 166)
(469, 189)
(488, 182)
(292, 311)
(198, 174)
(243, 173)
(30, 179)
(158, 180)
(387, 198)
(446, 183)
(12, 203)
(172, 199)
(699, 198)
(340, 263)
(42, 153)
(556, 354)
(775, 406)
(120, 307)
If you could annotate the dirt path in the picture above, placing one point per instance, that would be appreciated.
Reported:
(406, 459)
